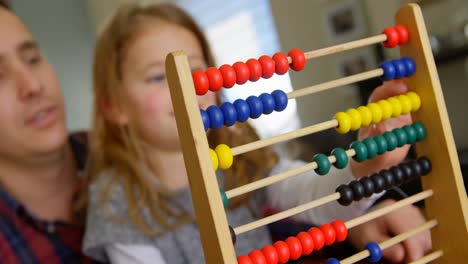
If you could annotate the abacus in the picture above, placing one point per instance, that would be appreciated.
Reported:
(445, 199)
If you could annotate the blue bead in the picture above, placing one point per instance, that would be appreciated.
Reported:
(205, 118)
(281, 100)
(242, 109)
(400, 68)
(332, 261)
(229, 113)
(374, 251)
(268, 103)
(256, 106)
(389, 71)
(216, 116)
(410, 66)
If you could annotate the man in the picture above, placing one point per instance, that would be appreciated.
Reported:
(40, 163)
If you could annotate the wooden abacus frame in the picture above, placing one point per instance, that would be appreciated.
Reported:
(448, 204)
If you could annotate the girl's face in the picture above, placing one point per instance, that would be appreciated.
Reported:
(148, 101)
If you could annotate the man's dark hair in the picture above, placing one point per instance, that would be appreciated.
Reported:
(5, 4)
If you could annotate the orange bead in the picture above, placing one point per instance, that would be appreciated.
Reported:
(242, 72)
(283, 251)
(307, 243)
(244, 260)
(329, 234)
(270, 254)
(215, 78)
(257, 257)
(281, 63)
(298, 59)
(229, 75)
(268, 66)
(255, 69)
(403, 35)
(392, 37)
(340, 229)
(318, 237)
(201, 82)
(295, 247)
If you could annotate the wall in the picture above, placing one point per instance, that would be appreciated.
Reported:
(63, 31)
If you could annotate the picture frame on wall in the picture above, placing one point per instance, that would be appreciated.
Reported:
(344, 21)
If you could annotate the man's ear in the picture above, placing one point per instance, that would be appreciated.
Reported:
(114, 113)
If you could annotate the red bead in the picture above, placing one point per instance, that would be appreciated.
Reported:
(281, 63)
(307, 243)
(329, 233)
(201, 82)
(242, 72)
(270, 254)
(255, 69)
(318, 237)
(298, 59)
(392, 37)
(403, 35)
(244, 260)
(215, 78)
(295, 247)
(268, 66)
(257, 257)
(283, 251)
(340, 229)
(229, 75)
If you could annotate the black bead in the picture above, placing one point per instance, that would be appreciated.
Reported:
(425, 165)
(358, 190)
(346, 194)
(379, 182)
(398, 175)
(233, 235)
(368, 184)
(417, 169)
(407, 171)
(388, 177)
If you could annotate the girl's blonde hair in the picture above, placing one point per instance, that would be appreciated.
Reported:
(117, 147)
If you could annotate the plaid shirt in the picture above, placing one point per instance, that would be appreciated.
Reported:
(26, 239)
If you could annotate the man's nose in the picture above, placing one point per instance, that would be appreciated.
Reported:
(28, 84)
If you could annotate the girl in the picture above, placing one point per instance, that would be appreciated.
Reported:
(140, 206)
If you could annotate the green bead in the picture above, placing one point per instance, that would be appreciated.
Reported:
(361, 151)
(381, 144)
(420, 130)
(323, 164)
(411, 133)
(401, 136)
(341, 158)
(372, 147)
(392, 141)
(224, 198)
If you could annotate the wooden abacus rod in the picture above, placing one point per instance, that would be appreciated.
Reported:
(345, 46)
(336, 83)
(428, 258)
(280, 176)
(377, 213)
(332, 197)
(390, 242)
(284, 137)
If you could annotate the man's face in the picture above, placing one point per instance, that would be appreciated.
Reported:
(32, 119)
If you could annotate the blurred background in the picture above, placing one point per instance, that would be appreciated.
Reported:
(67, 29)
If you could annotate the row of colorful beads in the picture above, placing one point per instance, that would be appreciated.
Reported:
(373, 113)
(213, 79)
(296, 246)
(397, 68)
(383, 180)
(253, 107)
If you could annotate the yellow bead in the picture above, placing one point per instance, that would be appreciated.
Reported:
(225, 156)
(376, 112)
(366, 115)
(344, 122)
(387, 109)
(214, 159)
(415, 101)
(355, 119)
(396, 106)
(405, 104)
